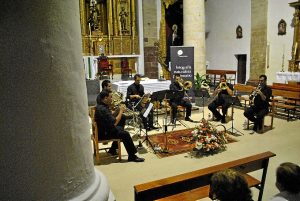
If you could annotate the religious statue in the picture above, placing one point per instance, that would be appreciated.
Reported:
(94, 16)
(123, 15)
(239, 32)
(281, 27)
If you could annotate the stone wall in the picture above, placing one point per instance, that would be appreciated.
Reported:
(151, 69)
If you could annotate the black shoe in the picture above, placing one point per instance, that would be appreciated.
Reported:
(217, 118)
(188, 119)
(134, 158)
(223, 121)
(112, 152)
(255, 128)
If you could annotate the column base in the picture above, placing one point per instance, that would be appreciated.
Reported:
(98, 191)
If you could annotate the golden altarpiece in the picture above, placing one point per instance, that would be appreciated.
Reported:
(294, 62)
(109, 27)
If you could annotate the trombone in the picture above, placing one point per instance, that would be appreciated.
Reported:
(185, 86)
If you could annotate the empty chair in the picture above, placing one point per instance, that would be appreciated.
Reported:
(104, 67)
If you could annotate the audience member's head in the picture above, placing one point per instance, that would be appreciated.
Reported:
(288, 178)
(229, 185)
(106, 85)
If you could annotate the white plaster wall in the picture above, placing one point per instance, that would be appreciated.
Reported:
(280, 45)
(222, 18)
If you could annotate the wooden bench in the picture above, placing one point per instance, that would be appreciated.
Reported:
(216, 74)
(194, 185)
(286, 100)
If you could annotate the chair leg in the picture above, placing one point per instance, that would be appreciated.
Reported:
(119, 150)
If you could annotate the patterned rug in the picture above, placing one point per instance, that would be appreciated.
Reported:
(177, 142)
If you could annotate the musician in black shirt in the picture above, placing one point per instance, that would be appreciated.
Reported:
(135, 93)
(260, 103)
(222, 97)
(179, 100)
(107, 128)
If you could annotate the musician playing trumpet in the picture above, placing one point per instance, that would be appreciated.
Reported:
(259, 108)
(135, 92)
(178, 85)
(223, 97)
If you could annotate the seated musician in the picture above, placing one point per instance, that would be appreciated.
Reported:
(177, 85)
(223, 97)
(108, 129)
(106, 85)
(135, 92)
(260, 103)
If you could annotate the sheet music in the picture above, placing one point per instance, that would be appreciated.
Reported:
(146, 113)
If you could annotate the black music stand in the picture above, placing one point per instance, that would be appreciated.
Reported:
(174, 95)
(234, 102)
(158, 96)
(146, 114)
(202, 93)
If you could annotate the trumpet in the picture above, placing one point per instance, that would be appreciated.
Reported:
(254, 93)
(223, 86)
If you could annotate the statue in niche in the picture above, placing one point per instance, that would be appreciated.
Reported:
(281, 27)
(239, 32)
(94, 16)
(123, 15)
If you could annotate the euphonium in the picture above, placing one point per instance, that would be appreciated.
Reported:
(117, 98)
(254, 93)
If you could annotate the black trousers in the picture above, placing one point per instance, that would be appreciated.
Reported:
(221, 100)
(184, 103)
(120, 133)
(256, 115)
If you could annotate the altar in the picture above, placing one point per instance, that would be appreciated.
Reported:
(284, 77)
(150, 85)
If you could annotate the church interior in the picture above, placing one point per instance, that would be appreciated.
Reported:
(56, 55)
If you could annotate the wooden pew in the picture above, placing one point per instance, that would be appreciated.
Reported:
(287, 97)
(217, 73)
(195, 185)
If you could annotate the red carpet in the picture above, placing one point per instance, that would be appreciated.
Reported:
(177, 142)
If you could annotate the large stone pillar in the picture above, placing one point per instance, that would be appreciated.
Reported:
(194, 31)
(259, 25)
(45, 147)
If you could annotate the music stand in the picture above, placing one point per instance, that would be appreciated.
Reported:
(158, 96)
(234, 101)
(202, 92)
(146, 114)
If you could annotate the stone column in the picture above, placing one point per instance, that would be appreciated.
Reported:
(45, 146)
(194, 31)
(259, 24)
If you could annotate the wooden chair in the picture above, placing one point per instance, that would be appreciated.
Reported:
(96, 141)
(104, 67)
(125, 69)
